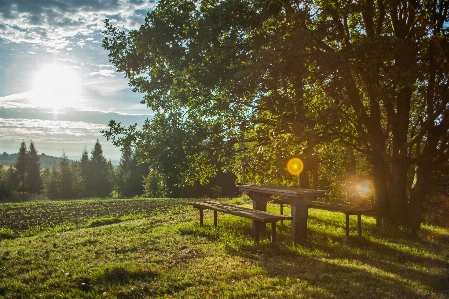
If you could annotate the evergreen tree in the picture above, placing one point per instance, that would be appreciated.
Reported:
(51, 182)
(6, 191)
(123, 173)
(12, 177)
(153, 185)
(85, 175)
(75, 168)
(130, 174)
(66, 190)
(110, 177)
(100, 175)
(34, 181)
(21, 167)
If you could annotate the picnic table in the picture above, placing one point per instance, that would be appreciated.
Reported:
(299, 200)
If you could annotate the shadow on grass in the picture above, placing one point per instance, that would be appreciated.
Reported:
(6, 236)
(103, 221)
(347, 266)
(121, 275)
(404, 266)
(206, 232)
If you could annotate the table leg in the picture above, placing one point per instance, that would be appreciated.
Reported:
(347, 225)
(201, 216)
(359, 225)
(300, 211)
(259, 203)
(281, 206)
(273, 232)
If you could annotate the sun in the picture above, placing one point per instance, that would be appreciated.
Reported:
(56, 86)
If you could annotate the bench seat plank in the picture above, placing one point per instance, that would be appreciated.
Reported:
(256, 215)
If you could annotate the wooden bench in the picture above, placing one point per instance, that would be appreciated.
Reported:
(256, 215)
(346, 209)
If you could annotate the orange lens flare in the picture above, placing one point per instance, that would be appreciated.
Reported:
(365, 189)
(295, 166)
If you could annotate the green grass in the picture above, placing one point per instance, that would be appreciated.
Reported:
(156, 249)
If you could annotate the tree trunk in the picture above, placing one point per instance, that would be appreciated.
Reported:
(380, 181)
(417, 194)
(398, 193)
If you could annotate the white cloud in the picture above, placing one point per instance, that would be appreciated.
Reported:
(54, 137)
(16, 100)
(48, 130)
(104, 73)
(51, 23)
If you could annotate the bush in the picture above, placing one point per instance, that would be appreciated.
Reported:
(6, 192)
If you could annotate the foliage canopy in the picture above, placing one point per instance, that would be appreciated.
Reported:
(252, 83)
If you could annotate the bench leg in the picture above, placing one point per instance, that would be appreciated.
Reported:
(359, 225)
(256, 233)
(281, 206)
(215, 218)
(201, 216)
(273, 232)
(347, 225)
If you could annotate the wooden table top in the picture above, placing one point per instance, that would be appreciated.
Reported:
(280, 190)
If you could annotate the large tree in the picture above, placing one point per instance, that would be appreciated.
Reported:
(66, 178)
(34, 170)
(245, 77)
(100, 173)
(21, 166)
(84, 169)
(130, 174)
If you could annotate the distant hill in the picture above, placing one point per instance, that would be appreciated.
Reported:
(46, 161)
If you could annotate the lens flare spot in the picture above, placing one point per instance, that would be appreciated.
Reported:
(295, 166)
(366, 189)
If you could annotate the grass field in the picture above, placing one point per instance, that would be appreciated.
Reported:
(156, 249)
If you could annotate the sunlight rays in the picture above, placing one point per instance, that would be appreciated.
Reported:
(56, 87)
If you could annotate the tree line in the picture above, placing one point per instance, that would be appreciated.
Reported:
(93, 176)
(46, 161)
(89, 177)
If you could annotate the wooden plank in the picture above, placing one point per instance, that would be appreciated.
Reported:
(261, 217)
(279, 190)
(347, 209)
(257, 215)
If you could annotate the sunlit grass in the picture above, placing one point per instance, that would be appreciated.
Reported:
(165, 253)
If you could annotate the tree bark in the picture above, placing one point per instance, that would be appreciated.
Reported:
(380, 182)
(417, 195)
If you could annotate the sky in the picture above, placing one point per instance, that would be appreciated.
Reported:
(57, 86)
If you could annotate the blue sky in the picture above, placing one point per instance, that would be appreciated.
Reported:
(57, 86)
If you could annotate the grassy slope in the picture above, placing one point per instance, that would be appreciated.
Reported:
(161, 252)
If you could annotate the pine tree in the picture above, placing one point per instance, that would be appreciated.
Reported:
(51, 182)
(66, 190)
(21, 167)
(123, 175)
(6, 191)
(13, 180)
(130, 174)
(77, 181)
(34, 181)
(100, 173)
(85, 175)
